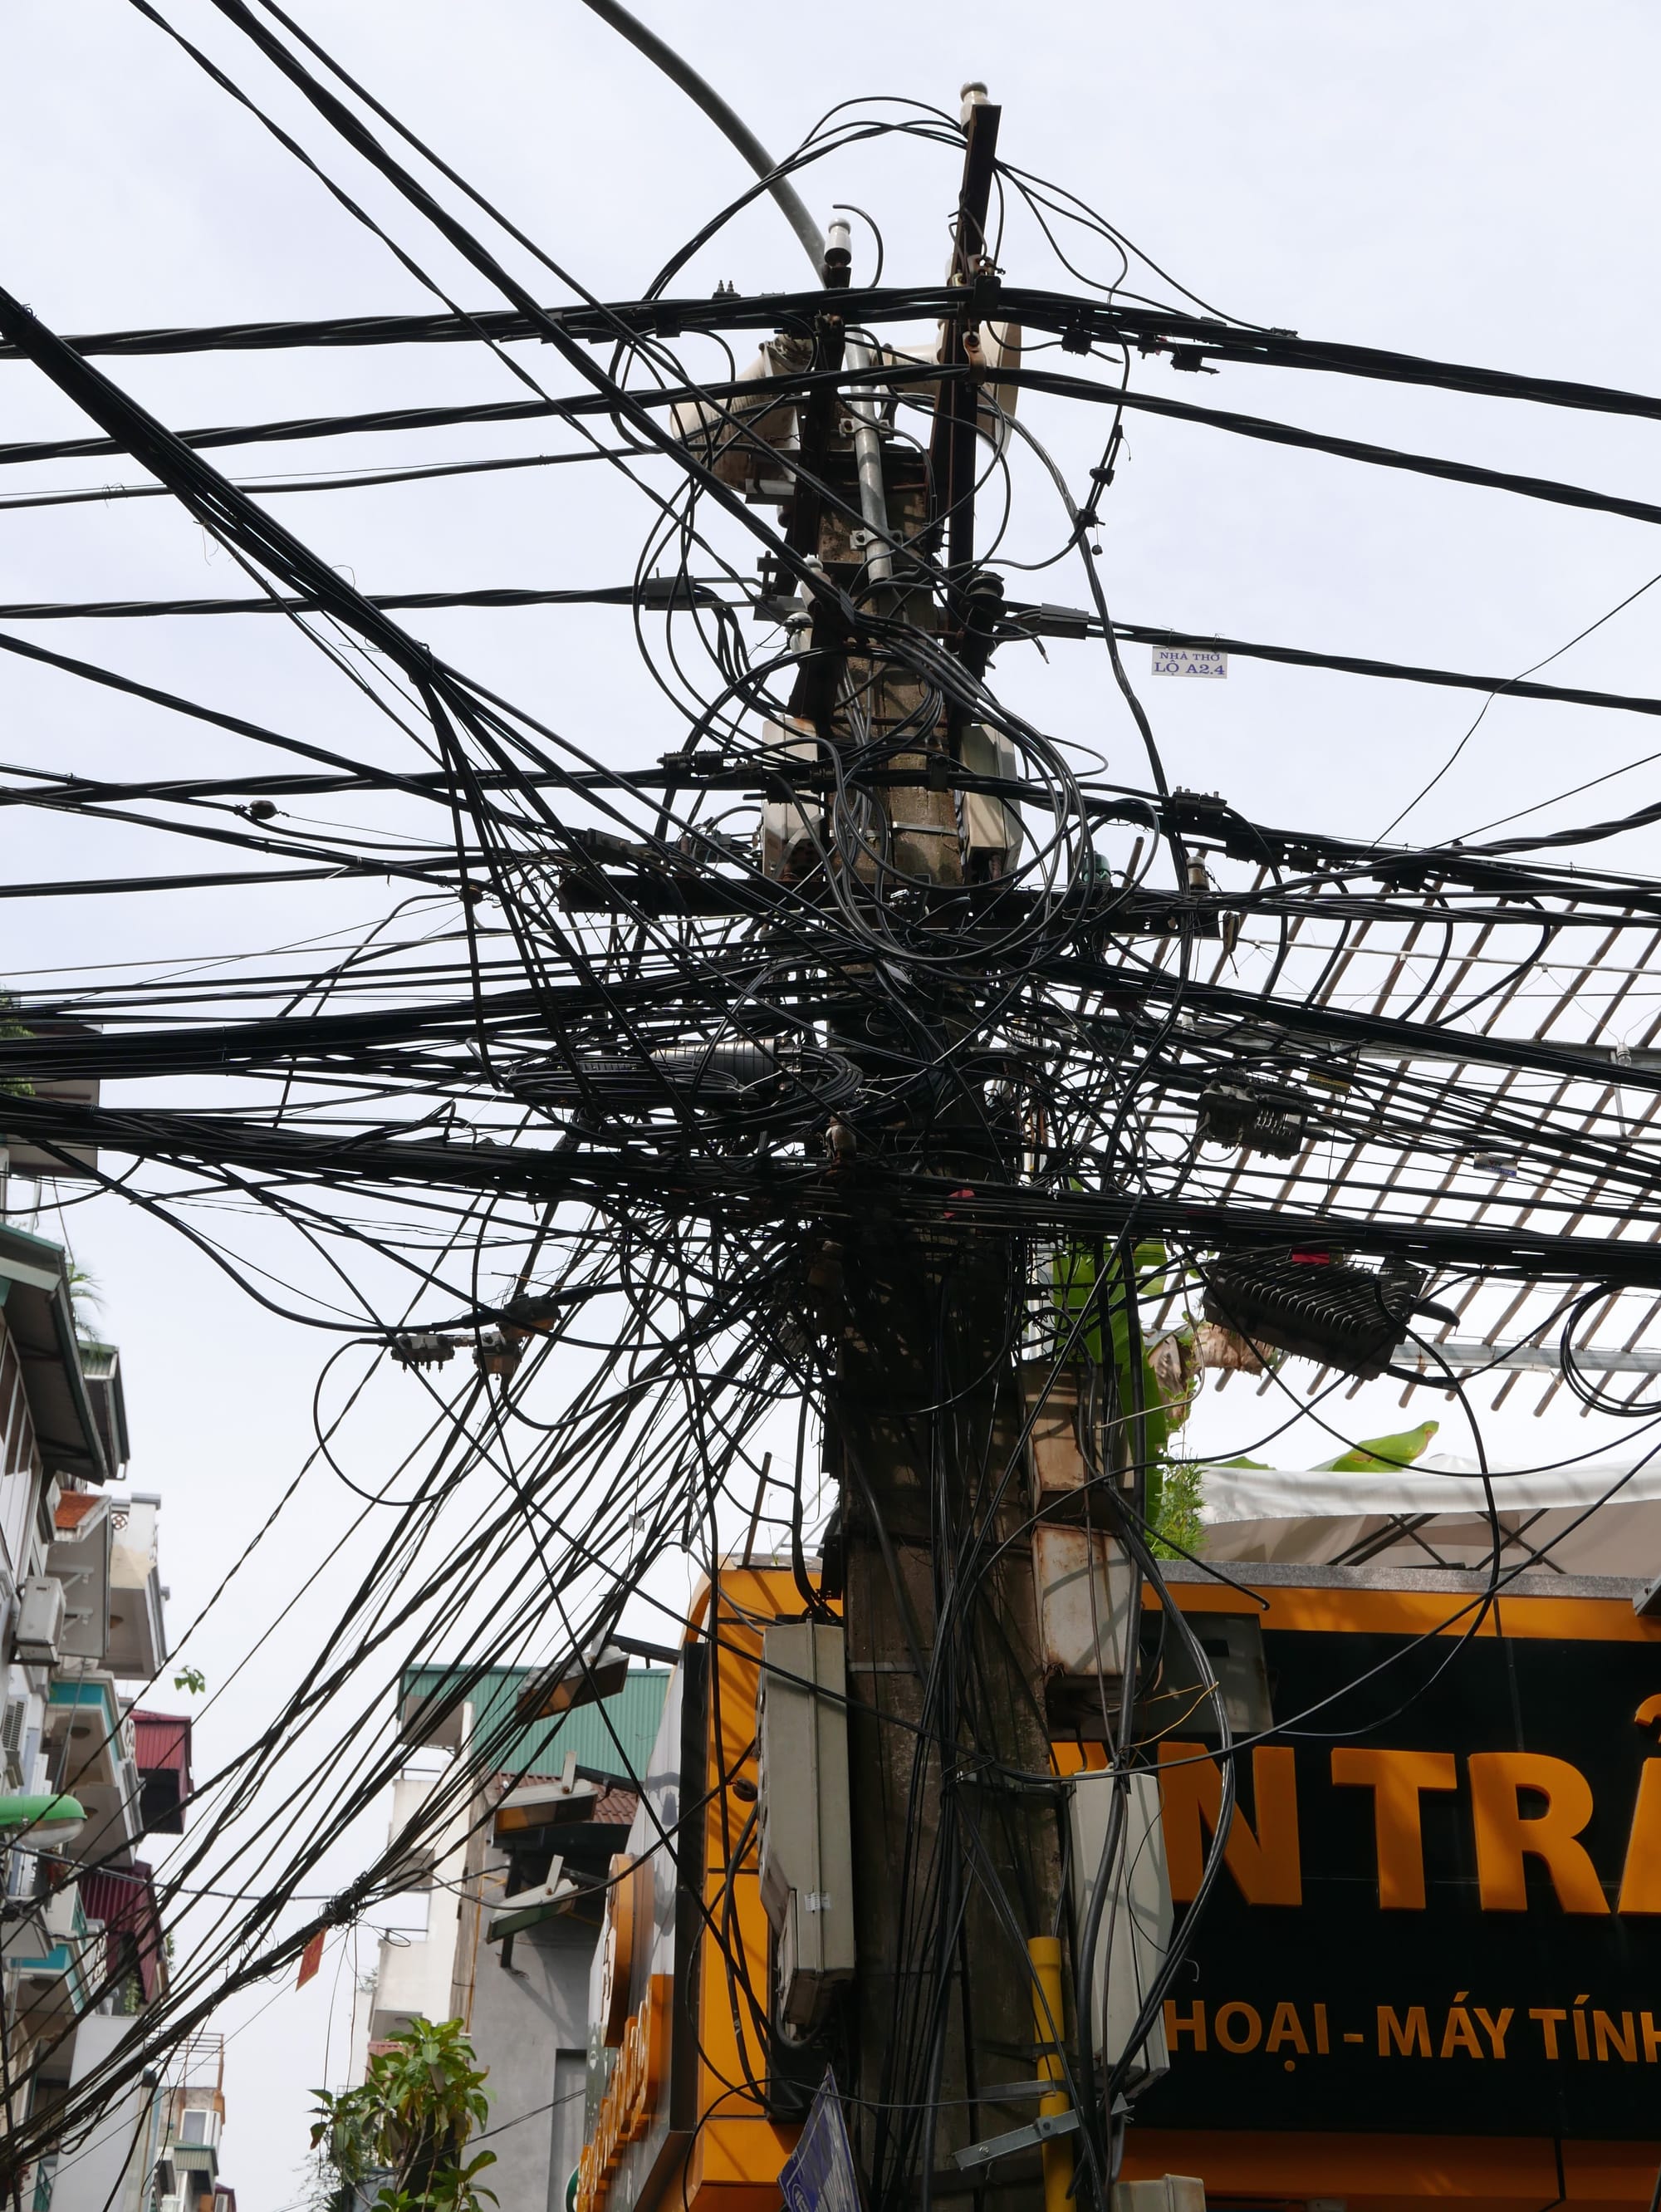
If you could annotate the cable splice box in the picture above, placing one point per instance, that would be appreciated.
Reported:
(1318, 1306)
(806, 1844)
(1137, 1919)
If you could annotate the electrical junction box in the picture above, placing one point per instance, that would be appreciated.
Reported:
(1068, 1445)
(806, 1843)
(1168, 2192)
(39, 1622)
(990, 825)
(792, 833)
(1085, 1589)
(1136, 1922)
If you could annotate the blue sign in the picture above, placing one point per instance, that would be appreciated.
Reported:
(819, 2175)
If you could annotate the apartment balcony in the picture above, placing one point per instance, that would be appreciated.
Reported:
(52, 1956)
(137, 1643)
(80, 1557)
(162, 1747)
(197, 2166)
(89, 1741)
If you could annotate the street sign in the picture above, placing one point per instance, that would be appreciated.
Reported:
(1189, 661)
(819, 2175)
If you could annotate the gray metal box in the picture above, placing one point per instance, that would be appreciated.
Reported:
(1168, 2192)
(1086, 1602)
(1136, 1922)
(806, 1846)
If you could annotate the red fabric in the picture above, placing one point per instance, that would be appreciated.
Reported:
(125, 1902)
(310, 1959)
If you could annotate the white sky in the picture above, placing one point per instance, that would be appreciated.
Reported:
(1474, 182)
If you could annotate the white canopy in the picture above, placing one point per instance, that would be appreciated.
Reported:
(1596, 1517)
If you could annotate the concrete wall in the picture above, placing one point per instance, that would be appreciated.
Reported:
(415, 1976)
(108, 2170)
(528, 2021)
(530, 2028)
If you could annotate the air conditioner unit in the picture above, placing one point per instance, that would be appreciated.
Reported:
(39, 1621)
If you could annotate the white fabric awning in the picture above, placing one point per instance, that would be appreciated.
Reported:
(1600, 1516)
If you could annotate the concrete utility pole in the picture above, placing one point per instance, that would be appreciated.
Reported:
(957, 1870)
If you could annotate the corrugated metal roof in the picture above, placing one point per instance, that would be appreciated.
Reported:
(162, 1740)
(125, 1902)
(544, 1746)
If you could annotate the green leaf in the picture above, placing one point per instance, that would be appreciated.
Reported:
(1175, 1521)
(407, 2125)
(1382, 1455)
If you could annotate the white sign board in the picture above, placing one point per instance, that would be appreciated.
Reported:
(1188, 661)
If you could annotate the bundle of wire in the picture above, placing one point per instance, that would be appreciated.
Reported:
(607, 1092)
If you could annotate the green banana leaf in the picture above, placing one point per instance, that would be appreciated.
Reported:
(1381, 1454)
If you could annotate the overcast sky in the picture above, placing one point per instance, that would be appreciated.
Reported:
(1474, 182)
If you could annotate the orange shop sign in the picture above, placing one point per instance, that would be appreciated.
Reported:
(631, 2094)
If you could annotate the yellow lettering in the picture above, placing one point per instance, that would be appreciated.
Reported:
(1623, 2039)
(1265, 1861)
(657, 2041)
(1250, 2034)
(1505, 1837)
(1640, 1877)
(1193, 2025)
(1397, 1778)
(1549, 2019)
(631, 2095)
(1459, 2034)
(1495, 2029)
(1411, 2037)
(1286, 2027)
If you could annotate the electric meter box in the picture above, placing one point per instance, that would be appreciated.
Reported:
(1134, 1934)
(806, 1845)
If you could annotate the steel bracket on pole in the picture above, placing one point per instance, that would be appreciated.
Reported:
(1042, 2129)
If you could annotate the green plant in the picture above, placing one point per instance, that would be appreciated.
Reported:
(1176, 1521)
(1164, 1406)
(191, 1678)
(403, 2131)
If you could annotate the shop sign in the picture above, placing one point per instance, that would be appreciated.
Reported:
(632, 2096)
(1441, 1907)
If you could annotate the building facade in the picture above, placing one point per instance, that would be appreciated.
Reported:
(93, 1779)
(501, 1936)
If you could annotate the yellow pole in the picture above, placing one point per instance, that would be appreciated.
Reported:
(1045, 1952)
